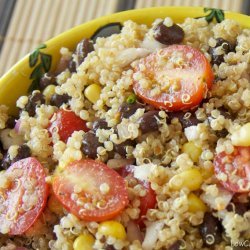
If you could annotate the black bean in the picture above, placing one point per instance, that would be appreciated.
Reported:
(226, 47)
(46, 80)
(59, 100)
(210, 230)
(35, 100)
(5, 162)
(127, 109)
(1, 148)
(72, 66)
(62, 65)
(221, 133)
(149, 121)
(225, 113)
(22, 153)
(176, 246)
(186, 119)
(11, 122)
(121, 148)
(237, 207)
(90, 144)
(100, 123)
(82, 49)
(168, 35)
(107, 30)
(109, 247)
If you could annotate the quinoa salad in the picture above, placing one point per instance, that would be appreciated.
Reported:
(139, 139)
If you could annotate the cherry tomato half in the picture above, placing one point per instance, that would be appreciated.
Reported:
(91, 190)
(66, 122)
(174, 78)
(24, 197)
(146, 202)
(233, 170)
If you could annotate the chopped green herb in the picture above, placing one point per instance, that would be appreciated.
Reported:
(218, 14)
(131, 99)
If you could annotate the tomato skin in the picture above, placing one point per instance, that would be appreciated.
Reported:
(235, 165)
(66, 122)
(195, 79)
(89, 174)
(20, 173)
(146, 202)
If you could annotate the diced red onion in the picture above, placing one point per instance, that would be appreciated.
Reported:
(134, 232)
(17, 126)
(118, 163)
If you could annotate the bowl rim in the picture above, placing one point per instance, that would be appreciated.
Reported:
(178, 12)
(116, 15)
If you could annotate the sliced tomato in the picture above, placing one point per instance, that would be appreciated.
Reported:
(65, 122)
(232, 170)
(24, 197)
(81, 189)
(177, 78)
(146, 202)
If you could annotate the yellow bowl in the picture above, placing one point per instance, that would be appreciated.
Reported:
(17, 80)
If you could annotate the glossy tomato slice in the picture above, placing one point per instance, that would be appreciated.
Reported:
(65, 122)
(174, 78)
(233, 170)
(23, 197)
(146, 202)
(91, 190)
(149, 200)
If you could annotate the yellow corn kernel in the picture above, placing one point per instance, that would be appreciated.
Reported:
(49, 91)
(195, 204)
(192, 150)
(112, 228)
(207, 172)
(92, 92)
(191, 179)
(84, 242)
(241, 137)
(54, 205)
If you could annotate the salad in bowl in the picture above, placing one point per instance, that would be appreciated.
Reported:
(138, 138)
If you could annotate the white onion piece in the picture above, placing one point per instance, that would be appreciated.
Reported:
(127, 56)
(152, 234)
(17, 126)
(191, 133)
(142, 172)
(134, 232)
(151, 44)
(220, 201)
(118, 163)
